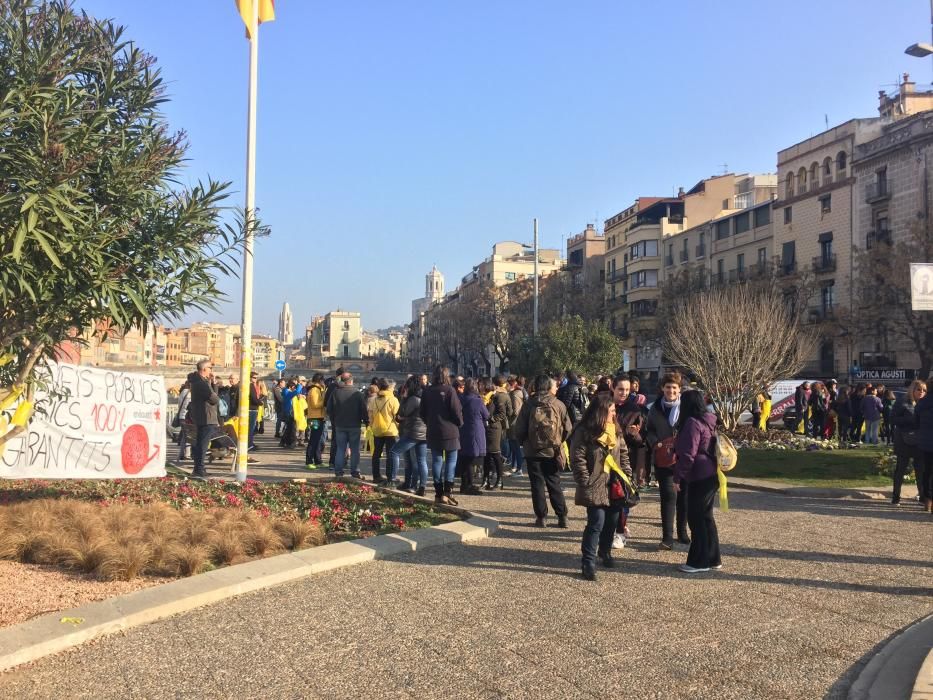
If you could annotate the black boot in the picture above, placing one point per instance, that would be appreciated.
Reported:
(589, 572)
(439, 496)
(605, 558)
(448, 488)
(562, 521)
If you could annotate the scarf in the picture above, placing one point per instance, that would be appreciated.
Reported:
(674, 409)
(487, 398)
(608, 438)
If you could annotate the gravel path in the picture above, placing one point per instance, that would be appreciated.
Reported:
(809, 588)
(28, 590)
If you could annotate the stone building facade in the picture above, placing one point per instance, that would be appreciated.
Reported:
(892, 195)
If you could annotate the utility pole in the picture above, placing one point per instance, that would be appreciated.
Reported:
(534, 328)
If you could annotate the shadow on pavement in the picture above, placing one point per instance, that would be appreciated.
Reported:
(749, 500)
(825, 557)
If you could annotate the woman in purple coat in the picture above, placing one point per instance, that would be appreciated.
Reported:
(695, 471)
(472, 436)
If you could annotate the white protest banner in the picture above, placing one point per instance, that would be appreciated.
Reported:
(91, 423)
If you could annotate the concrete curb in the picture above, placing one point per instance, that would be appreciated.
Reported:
(55, 632)
(807, 491)
(898, 669)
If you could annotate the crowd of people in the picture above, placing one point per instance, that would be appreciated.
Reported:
(858, 413)
(466, 433)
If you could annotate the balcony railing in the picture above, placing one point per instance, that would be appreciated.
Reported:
(877, 191)
(817, 314)
(617, 276)
(880, 236)
(786, 268)
(824, 263)
(743, 200)
(684, 256)
(701, 251)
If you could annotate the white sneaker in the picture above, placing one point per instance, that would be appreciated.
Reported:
(618, 542)
(687, 569)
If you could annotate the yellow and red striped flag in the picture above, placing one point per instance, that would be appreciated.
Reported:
(266, 11)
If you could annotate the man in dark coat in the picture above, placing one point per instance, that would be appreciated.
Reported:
(346, 408)
(203, 413)
(542, 427)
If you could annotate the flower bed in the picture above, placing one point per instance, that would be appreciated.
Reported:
(745, 436)
(175, 527)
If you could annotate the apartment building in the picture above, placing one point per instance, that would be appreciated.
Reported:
(265, 351)
(891, 195)
(510, 262)
(585, 258)
(337, 335)
(731, 248)
(640, 248)
(813, 230)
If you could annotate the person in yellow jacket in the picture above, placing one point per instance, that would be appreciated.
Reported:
(314, 456)
(765, 411)
(382, 411)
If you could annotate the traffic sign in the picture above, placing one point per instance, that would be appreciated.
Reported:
(280, 365)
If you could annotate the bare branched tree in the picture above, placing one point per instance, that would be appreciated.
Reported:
(735, 340)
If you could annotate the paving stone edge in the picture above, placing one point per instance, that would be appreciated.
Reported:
(806, 491)
(54, 632)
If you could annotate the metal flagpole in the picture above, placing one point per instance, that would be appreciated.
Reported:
(246, 330)
(534, 328)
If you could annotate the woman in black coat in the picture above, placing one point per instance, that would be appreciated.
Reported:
(923, 413)
(441, 412)
(500, 416)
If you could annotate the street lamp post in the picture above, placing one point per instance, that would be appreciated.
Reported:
(534, 247)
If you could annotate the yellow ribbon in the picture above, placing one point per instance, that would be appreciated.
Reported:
(723, 492)
(22, 414)
(14, 393)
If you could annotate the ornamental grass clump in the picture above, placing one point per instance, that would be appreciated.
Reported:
(172, 527)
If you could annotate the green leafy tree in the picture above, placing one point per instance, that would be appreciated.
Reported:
(587, 347)
(94, 225)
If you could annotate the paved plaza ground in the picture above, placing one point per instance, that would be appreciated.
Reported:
(809, 587)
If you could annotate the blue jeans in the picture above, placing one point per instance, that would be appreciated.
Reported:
(199, 448)
(343, 438)
(253, 416)
(518, 458)
(420, 448)
(601, 523)
(871, 431)
(444, 465)
(313, 454)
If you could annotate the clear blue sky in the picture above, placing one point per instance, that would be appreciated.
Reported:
(397, 134)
